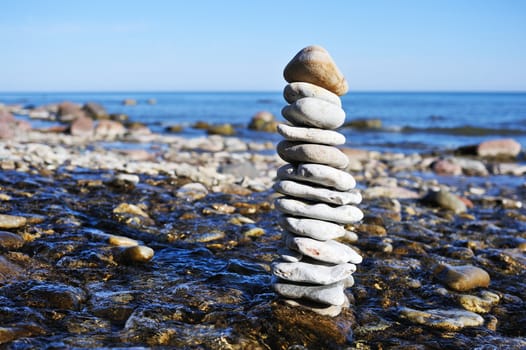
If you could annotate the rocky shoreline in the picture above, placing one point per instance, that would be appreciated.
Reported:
(132, 238)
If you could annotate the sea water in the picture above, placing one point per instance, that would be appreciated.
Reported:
(411, 122)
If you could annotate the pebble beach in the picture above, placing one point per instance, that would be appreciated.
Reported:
(112, 234)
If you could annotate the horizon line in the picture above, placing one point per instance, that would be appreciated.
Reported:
(244, 91)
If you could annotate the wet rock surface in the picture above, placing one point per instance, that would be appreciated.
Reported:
(73, 273)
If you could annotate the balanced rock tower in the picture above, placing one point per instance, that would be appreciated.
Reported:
(319, 196)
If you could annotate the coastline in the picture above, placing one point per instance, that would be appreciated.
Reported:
(205, 207)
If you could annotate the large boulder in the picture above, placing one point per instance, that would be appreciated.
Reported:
(95, 110)
(82, 126)
(507, 148)
(69, 111)
(10, 126)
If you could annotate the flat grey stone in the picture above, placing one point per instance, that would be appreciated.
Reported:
(344, 214)
(449, 320)
(317, 194)
(298, 152)
(311, 135)
(297, 90)
(480, 304)
(311, 111)
(312, 273)
(327, 251)
(318, 174)
(330, 294)
(317, 229)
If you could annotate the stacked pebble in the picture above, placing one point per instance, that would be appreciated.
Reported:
(314, 269)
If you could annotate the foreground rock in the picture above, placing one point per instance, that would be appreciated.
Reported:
(462, 278)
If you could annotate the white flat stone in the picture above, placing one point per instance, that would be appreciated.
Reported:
(295, 91)
(317, 194)
(319, 174)
(327, 251)
(311, 111)
(344, 214)
(311, 135)
(330, 294)
(298, 152)
(311, 273)
(317, 229)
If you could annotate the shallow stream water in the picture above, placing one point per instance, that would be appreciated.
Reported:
(209, 284)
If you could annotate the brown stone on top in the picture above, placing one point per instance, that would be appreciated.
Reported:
(314, 65)
(499, 148)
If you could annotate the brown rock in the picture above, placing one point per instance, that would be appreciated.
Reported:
(6, 130)
(95, 110)
(69, 111)
(131, 254)
(446, 167)
(263, 121)
(6, 116)
(365, 124)
(221, 129)
(314, 65)
(446, 200)
(129, 102)
(10, 240)
(58, 296)
(499, 148)
(10, 127)
(462, 278)
(82, 126)
(8, 270)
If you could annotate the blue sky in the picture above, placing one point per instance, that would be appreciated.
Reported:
(200, 45)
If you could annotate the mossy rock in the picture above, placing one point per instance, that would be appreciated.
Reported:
(221, 129)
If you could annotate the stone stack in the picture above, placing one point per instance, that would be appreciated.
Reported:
(319, 196)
